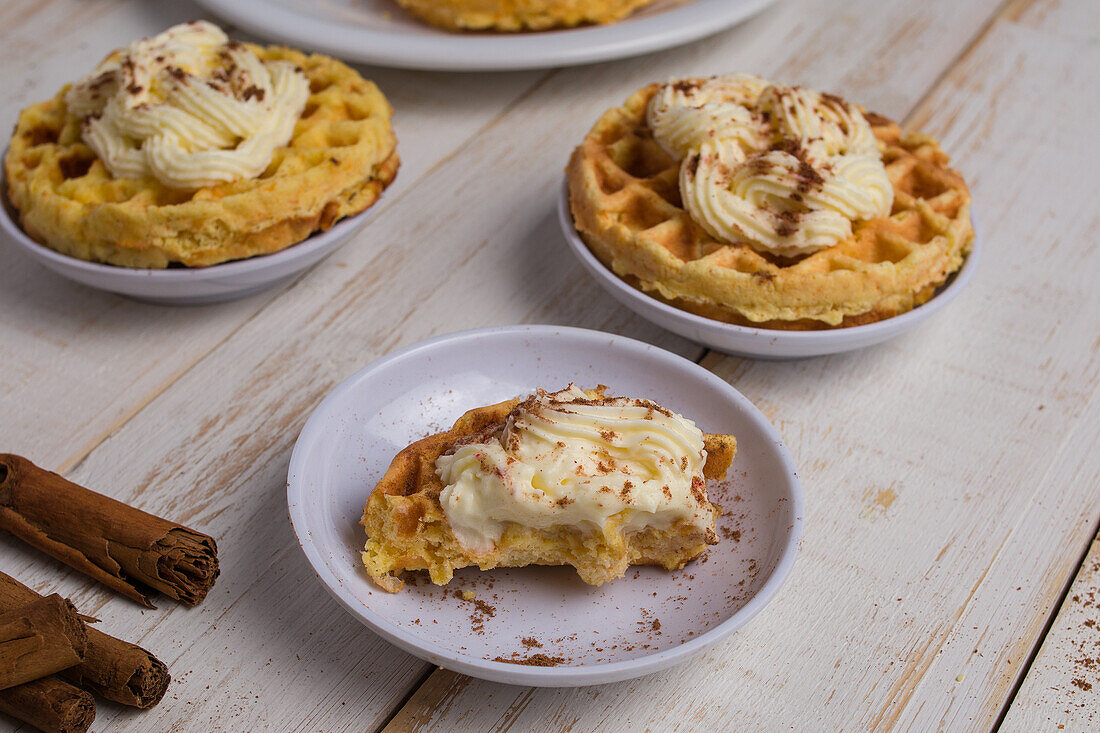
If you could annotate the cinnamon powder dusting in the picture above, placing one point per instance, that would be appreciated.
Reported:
(535, 660)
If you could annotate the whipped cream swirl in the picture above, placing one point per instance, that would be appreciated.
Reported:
(783, 169)
(188, 107)
(683, 115)
(565, 460)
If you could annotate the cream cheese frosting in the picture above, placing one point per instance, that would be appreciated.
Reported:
(565, 460)
(783, 169)
(188, 107)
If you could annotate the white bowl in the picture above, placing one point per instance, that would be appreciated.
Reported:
(379, 32)
(191, 285)
(760, 343)
(350, 438)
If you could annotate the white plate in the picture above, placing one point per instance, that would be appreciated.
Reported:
(380, 32)
(191, 285)
(759, 343)
(603, 634)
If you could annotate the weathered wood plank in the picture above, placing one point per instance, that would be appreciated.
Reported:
(1062, 688)
(949, 478)
(76, 363)
(473, 243)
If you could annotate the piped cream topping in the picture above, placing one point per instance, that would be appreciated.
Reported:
(188, 107)
(565, 460)
(783, 169)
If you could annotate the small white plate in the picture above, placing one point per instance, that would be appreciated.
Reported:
(759, 343)
(380, 32)
(639, 624)
(190, 285)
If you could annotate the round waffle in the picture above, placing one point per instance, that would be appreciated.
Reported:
(626, 205)
(518, 15)
(341, 157)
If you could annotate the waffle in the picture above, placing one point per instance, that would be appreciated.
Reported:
(518, 15)
(340, 158)
(626, 206)
(408, 530)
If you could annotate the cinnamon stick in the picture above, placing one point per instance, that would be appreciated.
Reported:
(38, 639)
(113, 668)
(49, 704)
(124, 548)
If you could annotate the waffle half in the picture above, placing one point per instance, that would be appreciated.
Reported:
(340, 158)
(626, 205)
(408, 530)
(519, 15)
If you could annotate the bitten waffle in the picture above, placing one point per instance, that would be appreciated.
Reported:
(340, 158)
(626, 205)
(409, 530)
(518, 15)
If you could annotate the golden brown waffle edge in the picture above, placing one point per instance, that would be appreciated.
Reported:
(519, 15)
(625, 202)
(341, 157)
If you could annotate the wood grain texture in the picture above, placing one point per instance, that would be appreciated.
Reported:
(949, 481)
(190, 414)
(77, 363)
(1062, 688)
(216, 443)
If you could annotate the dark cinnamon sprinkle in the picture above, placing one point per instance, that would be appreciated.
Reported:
(837, 102)
(733, 535)
(693, 165)
(876, 120)
(535, 660)
(481, 612)
(808, 176)
(107, 77)
(698, 491)
(788, 223)
(685, 86)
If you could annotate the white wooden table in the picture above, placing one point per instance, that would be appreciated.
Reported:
(951, 475)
